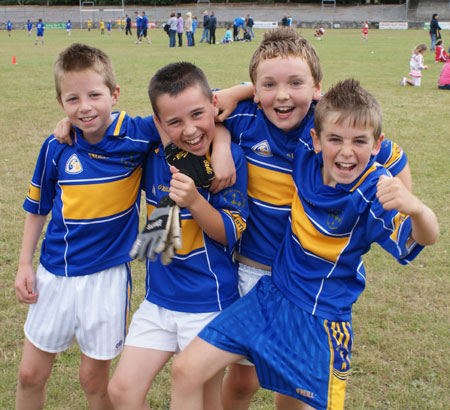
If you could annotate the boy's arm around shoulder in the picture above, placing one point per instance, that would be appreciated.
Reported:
(393, 194)
(232, 202)
(228, 98)
(222, 160)
(25, 277)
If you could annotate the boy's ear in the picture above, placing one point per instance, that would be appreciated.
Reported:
(316, 141)
(317, 91)
(377, 145)
(215, 103)
(115, 95)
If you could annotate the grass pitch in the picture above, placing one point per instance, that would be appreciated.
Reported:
(401, 322)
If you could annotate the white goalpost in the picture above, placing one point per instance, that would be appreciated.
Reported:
(89, 10)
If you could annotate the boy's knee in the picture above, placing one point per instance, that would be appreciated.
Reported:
(244, 385)
(93, 383)
(120, 393)
(31, 377)
(181, 374)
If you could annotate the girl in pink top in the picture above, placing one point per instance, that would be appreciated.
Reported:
(416, 66)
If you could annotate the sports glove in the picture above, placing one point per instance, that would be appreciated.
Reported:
(173, 241)
(194, 166)
(153, 239)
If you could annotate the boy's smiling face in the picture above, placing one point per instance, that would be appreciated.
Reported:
(188, 119)
(87, 102)
(346, 150)
(285, 88)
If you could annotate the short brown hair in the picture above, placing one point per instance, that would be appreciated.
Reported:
(348, 100)
(79, 57)
(173, 79)
(285, 42)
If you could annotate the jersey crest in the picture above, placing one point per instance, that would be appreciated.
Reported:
(334, 218)
(73, 165)
(262, 148)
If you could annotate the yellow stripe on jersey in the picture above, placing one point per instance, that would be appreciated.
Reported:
(238, 222)
(101, 200)
(361, 180)
(398, 220)
(119, 123)
(327, 247)
(34, 193)
(281, 185)
(396, 153)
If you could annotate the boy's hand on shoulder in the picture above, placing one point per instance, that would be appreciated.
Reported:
(62, 131)
(393, 194)
(24, 284)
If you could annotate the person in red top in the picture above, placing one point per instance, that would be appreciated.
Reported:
(365, 30)
(441, 54)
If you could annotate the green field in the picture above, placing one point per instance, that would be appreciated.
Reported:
(401, 323)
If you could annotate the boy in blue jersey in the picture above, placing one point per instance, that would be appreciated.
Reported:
(9, 27)
(82, 286)
(286, 76)
(69, 27)
(29, 27)
(201, 281)
(40, 27)
(296, 326)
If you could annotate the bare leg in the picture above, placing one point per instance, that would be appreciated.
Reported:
(283, 402)
(239, 385)
(94, 378)
(134, 375)
(34, 370)
(192, 368)
(212, 392)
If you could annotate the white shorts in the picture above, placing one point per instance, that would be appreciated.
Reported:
(248, 276)
(93, 309)
(416, 81)
(158, 328)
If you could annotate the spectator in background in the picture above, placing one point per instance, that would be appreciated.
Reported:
(138, 27)
(188, 28)
(69, 27)
(172, 29)
(194, 28)
(285, 21)
(444, 78)
(29, 27)
(128, 25)
(228, 36)
(40, 27)
(289, 20)
(441, 54)
(237, 24)
(205, 34)
(180, 24)
(212, 28)
(144, 31)
(249, 23)
(9, 27)
(434, 30)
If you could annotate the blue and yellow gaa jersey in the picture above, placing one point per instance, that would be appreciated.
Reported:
(93, 193)
(202, 276)
(319, 266)
(269, 152)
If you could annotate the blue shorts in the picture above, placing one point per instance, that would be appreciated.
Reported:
(294, 352)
